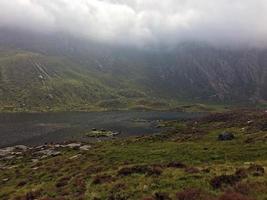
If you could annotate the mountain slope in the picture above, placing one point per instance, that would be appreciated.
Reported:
(31, 81)
(52, 72)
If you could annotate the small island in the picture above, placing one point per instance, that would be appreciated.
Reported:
(101, 133)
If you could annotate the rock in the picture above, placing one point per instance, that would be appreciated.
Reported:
(21, 147)
(35, 160)
(250, 122)
(85, 147)
(74, 157)
(145, 187)
(73, 145)
(4, 152)
(42, 147)
(9, 157)
(15, 150)
(248, 163)
(58, 145)
(44, 156)
(5, 180)
(49, 152)
(226, 136)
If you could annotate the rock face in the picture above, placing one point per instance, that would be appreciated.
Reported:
(189, 71)
(224, 136)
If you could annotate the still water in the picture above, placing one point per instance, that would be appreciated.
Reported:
(40, 128)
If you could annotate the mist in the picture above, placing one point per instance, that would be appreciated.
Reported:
(143, 22)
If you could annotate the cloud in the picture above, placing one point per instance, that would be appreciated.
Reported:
(143, 22)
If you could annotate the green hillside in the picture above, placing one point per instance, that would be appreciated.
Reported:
(59, 73)
(35, 82)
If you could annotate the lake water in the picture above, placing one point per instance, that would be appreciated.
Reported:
(36, 129)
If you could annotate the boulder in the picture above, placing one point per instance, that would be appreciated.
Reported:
(224, 136)
(73, 145)
(85, 147)
(49, 152)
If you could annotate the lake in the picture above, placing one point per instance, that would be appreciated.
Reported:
(40, 128)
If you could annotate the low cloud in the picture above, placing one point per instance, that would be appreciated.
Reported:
(143, 22)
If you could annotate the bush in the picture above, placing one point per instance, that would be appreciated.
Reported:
(256, 170)
(220, 181)
(22, 183)
(242, 173)
(242, 188)
(161, 196)
(100, 179)
(191, 194)
(140, 169)
(176, 165)
(192, 170)
(233, 196)
(62, 182)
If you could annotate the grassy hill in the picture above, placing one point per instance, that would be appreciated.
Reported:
(186, 163)
(59, 73)
(35, 82)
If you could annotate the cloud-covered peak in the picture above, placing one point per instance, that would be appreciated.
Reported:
(143, 22)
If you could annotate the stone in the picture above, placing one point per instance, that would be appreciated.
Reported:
(250, 122)
(13, 150)
(73, 145)
(224, 136)
(21, 147)
(5, 179)
(145, 187)
(35, 160)
(85, 147)
(74, 157)
(4, 152)
(49, 152)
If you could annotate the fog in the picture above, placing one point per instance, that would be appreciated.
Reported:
(143, 22)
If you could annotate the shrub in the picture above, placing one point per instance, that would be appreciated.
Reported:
(191, 194)
(242, 188)
(62, 182)
(192, 170)
(21, 183)
(100, 179)
(29, 195)
(141, 169)
(220, 181)
(233, 196)
(176, 165)
(256, 170)
(242, 173)
(161, 196)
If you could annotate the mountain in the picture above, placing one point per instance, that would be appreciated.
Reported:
(50, 72)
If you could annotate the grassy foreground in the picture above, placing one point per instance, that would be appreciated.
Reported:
(188, 162)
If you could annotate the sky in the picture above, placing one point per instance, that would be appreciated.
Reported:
(143, 22)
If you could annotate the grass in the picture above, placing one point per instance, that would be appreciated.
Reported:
(97, 174)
